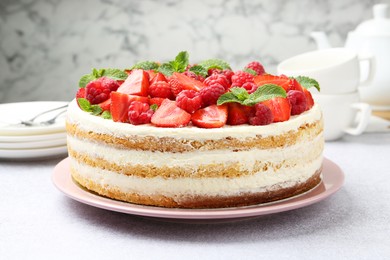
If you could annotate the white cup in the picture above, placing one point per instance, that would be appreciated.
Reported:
(343, 114)
(337, 70)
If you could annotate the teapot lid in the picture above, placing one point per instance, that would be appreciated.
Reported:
(380, 25)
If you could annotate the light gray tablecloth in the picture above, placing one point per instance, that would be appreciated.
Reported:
(38, 222)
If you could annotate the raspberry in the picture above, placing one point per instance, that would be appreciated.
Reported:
(160, 89)
(297, 100)
(256, 66)
(96, 92)
(189, 100)
(217, 78)
(241, 77)
(193, 75)
(262, 116)
(210, 94)
(250, 87)
(227, 73)
(176, 86)
(139, 113)
(112, 84)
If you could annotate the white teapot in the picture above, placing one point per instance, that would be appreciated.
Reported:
(372, 36)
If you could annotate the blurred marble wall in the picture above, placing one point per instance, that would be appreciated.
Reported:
(46, 45)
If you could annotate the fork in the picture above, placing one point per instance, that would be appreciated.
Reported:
(31, 121)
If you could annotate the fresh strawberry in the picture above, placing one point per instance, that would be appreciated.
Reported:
(151, 74)
(105, 105)
(240, 78)
(137, 83)
(156, 100)
(210, 117)
(170, 115)
(280, 107)
(298, 101)
(189, 100)
(238, 114)
(262, 115)
(158, 77)
(309, 99)
(120, 103)
(80, 93)
(160, 89)
(139, 113)
(256, 67)
(283, 81)
(180, 82)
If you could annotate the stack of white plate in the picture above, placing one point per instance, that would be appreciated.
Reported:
(39, 140)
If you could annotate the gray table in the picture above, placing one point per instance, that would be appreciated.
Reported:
(39, 222)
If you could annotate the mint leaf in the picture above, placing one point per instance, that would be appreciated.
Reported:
(199, 70)
(115, 74)
(146, 65)
(250, 71)
(265, 92)
(307, 82)
(84, 104)
(154, 107)
(181, 61)
(215, 64)
(228, 97)
(166, 69)
(84, 80)
(240, 93)
(96, 73)
(106, 115)
(96, 110)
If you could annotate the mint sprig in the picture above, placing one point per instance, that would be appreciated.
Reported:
(179, 64)
(115, 74)
(146, 65)
(241, 95)
(215, 64)
(86, 106)
(199, 70)
(307, 82)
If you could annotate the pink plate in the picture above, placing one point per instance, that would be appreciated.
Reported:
(333, 179)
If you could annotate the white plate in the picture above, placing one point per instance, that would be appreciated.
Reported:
(32, 138)
(33, 153)
(13, 113)
(36, 144)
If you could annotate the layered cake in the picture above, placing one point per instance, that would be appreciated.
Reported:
(195, 136)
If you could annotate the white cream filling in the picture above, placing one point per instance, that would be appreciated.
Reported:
(263, 181)
(247, 159)
(86, 121)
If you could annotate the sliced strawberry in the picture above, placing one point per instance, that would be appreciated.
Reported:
(120, 103)
(156, 100)
(238, 114)
(158, 77)
(210, 117)
(80, 93)
(309, 99)
(170, 115)
(280, 108)
(137, 83)
(180, 82)
(283, 81)
(151, 74)
(105, 105)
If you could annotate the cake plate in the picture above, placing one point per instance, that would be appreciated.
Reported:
(333, 179)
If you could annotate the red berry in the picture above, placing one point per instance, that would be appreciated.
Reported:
(158, 77)
(297, 100)
(192, 75)
(189, 100)
(210, 94)
(96, 92)
(160, 89)
(240, 78)
(112, 84)
(280, 107)
(256, 66)
(217, 78)
(139, 113)
(170, 115)
(137, 83)
(80, 93)
(210, 117)
(238, 114)
(309, 99)
(180, 82)
(250, 87)
(262, 116)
